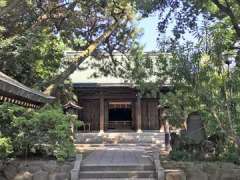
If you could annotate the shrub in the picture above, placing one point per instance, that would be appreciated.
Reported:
(230, 153)
(64, 151)
(180, 155)
(54, 127)
(5, 147)
(45, 131)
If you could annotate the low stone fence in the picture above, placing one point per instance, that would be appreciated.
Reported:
(35, 170)
(200, 170)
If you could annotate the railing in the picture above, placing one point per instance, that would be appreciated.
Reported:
(119, 124)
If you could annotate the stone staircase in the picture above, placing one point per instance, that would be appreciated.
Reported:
(117, 172)
(118, 162)
(118, 155)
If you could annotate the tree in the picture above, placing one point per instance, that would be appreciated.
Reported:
(225, 32)
(186, 13)
(187, 16)
(110, 36)
(33, 58)
(92, 27)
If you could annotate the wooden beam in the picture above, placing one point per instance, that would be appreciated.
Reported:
(120, 97)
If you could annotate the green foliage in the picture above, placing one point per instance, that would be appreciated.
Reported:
(3, 3)
(46, 131)
(5, 147)
(34, 34)
(64, 150)
(230, 153)
(56, 126)
(180, 155)
(32, 58)
(187, 14)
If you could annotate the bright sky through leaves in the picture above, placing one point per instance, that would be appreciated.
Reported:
(150, 33)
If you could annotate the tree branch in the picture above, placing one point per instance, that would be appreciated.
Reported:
(45, 16)
(80, 59)
(227, 10)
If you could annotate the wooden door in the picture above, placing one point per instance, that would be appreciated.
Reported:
(149, 111)
(91, 113)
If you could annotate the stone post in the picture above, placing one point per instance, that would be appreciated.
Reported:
(159, 169)
(76, 169)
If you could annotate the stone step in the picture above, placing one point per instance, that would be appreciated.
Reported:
(117, 168)
(118, 179)
(98, 138)
(116, 174)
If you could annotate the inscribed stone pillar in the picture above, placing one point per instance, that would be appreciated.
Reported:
(167, 133)
(101, 113)
(138, 113)
(195, 128)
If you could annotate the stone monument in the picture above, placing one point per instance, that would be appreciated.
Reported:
(195, 128)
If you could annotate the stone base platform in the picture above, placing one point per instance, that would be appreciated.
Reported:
(149, 137)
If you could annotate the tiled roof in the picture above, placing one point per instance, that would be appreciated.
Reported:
(14, 90)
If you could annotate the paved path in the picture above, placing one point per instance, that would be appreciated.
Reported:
(119, 155)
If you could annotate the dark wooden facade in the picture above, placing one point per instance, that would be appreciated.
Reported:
(105, 104)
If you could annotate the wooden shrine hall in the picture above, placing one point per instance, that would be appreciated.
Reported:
(117, 107)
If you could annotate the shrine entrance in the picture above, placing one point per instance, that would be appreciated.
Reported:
(120, 116)
(116, 107)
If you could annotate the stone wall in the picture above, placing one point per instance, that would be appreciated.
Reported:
(201, 170)
(35, 170)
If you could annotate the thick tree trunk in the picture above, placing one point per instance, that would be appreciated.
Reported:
(82, 56)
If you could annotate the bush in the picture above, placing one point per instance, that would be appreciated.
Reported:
(64, 151)
(5, 147)
(45, 131)
(230, 153)
(55, 129)
(180, 155)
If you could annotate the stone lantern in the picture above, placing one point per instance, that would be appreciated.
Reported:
(72, 109)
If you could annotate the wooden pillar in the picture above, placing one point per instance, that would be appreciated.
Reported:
(101, 113)
(106, 118)
(138, 113)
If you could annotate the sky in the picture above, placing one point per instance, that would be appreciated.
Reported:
(150, 33)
